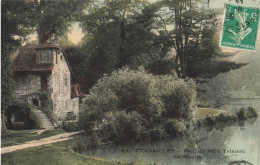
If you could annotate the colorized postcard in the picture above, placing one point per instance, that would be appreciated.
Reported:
(131, 82)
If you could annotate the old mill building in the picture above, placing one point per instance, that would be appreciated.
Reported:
(44, 70)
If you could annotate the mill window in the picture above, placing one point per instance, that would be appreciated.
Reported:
(44, 82)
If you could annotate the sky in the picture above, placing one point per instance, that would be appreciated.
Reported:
(75, 35)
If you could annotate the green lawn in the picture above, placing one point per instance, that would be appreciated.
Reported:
(18, 137)
(206, 112)
(55, 154)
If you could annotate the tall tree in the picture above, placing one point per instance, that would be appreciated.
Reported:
(49, 18)
(53, 18)
(120, 33)
(194, 36)
(107, 24)
(14, 31)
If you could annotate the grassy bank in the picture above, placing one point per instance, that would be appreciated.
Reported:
(206, 116)
(202, 112)
(55, 154)
(18, 137)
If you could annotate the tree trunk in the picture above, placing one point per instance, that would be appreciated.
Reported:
(44, 35)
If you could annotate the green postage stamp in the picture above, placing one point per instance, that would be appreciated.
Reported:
(240, 27)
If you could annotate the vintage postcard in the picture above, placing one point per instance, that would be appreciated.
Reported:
(136, 82)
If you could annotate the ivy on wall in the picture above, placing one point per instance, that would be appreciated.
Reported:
(47, 106)
(25, 113)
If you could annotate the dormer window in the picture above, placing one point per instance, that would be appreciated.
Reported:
(45, 56)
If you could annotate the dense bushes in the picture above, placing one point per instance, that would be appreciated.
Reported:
(47, 106)
(175, 127)
(131, 105)
(22, 116)
(221, 118)
(83, 144)
(244, 113)
(123, 126)
(71, 125)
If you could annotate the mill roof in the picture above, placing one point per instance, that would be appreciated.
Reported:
(25, 61)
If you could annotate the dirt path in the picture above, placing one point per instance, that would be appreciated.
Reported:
(35, 143)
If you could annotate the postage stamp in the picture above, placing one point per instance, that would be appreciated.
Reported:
(240, 27)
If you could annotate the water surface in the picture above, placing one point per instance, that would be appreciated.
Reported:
(209, 145)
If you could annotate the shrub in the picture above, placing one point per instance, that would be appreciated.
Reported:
(157, 133)
(252, 112)
(225, 117)
(175, 127)
(181, 102)
(134, 102)
(220, 118)
(244, 113)
(124, 127)
(83, 144)
(90, 117)
(36, 121)
(47, 106)
(24, 113)
(210, 120)
(71, 125)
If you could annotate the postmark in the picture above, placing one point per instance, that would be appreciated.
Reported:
(240, 27)
(242, 162)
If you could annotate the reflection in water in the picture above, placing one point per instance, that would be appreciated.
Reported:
(208, 145)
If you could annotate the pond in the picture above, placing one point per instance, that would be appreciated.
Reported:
(208, 145)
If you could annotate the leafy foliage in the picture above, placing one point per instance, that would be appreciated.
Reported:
(131, 105)
(47, 106)
(135, 33)
(194, 38)
(84, 144)
(244, 113)
(175, 127)
(157, 133)
(71, 125)
(180, 103)
(215, 92)
(25, 112)
(220, 118)
(53, 18)
(12, 25)
(125, 126)
(120, 33)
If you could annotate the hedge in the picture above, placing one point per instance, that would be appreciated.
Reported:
(71, 125)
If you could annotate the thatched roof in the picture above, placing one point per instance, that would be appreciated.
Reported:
(26, 59)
